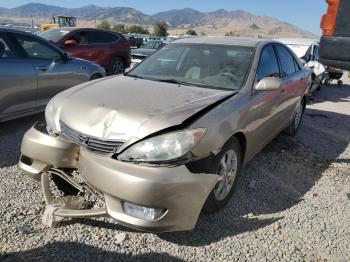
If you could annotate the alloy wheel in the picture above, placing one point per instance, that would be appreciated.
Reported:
(227, 170)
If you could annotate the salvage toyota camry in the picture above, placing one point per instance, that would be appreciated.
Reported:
(168, 139)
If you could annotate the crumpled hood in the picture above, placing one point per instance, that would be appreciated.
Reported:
(145, 52)
(125, 108)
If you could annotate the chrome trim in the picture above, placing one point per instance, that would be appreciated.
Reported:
(91, 143)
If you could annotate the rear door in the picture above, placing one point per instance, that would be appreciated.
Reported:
(102, 50)
(53, 73)
(293, 80)
(18, 79)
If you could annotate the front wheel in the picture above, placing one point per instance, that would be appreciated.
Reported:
(227, 165)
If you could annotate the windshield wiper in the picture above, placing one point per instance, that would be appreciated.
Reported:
(174, 81)
(134, 76)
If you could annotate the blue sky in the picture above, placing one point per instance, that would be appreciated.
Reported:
(303, 13)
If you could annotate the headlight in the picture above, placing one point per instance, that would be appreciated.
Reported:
(165, 147)
(50, 113)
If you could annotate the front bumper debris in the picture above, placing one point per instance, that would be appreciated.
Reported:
(181, 193)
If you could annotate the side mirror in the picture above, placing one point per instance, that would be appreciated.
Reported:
(269, 83)
(70, 42)
(67, 57)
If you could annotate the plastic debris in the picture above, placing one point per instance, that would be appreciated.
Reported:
(68, 202)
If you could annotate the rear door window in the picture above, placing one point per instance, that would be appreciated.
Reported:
(286, 60)
(80, 37)
(268, 65)
(96, 37)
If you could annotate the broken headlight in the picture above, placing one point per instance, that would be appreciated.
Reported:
(162, 148)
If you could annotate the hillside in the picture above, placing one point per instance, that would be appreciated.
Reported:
(218, 22)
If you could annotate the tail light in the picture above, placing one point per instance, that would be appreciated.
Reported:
(328, 22)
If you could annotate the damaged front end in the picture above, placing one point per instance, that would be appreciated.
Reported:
(150, 198)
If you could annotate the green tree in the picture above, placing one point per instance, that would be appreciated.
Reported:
(104, 25)
(160, 29)
(191, 32)
(137, 29)
(119, 28)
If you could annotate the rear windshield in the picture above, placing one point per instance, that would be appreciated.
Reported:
(54, 35)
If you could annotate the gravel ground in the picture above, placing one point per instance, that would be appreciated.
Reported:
(292, 203)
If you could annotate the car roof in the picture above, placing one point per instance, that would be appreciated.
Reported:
(85, 28)
(11, 30)
(225, 40)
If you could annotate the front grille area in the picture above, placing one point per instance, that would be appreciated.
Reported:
(92, 143)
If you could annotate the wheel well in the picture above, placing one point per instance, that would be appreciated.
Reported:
(243, 142)
(203, 165)
(121, 58)
(304, 102)
(96, 76)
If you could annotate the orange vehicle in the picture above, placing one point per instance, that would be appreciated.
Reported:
(335, 42)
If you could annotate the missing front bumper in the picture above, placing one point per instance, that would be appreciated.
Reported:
(175, 189)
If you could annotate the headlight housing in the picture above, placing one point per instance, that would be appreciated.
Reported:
(164, 148)
(50, 116)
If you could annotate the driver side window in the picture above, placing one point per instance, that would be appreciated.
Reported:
(35, 48)
(268, 65)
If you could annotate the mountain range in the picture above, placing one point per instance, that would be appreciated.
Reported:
(219, 22)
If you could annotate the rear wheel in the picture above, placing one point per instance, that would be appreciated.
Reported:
(116, 66)
(293, 128)
(227, 165)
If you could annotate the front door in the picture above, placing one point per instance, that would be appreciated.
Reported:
(263, 116)
(53, 73)
(18, 80)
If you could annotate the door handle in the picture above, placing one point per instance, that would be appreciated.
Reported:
(282, 90)
(42, 68)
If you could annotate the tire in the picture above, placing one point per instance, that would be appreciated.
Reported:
(95, 76)
(219, 198)
(116, 66)
(294, 126)
(340, 83)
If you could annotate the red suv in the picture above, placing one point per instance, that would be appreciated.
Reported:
(106, 48)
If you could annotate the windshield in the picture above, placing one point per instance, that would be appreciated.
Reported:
(211, 66)
(152, 45)
(54, 35)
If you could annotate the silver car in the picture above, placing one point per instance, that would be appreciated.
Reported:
(33, 70)
(161, 143)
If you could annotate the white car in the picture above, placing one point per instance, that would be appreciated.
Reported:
(308, 51)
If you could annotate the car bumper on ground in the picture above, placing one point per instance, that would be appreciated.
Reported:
(176, 191)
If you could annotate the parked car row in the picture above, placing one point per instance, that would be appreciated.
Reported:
(168, 139)
(139, 54)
